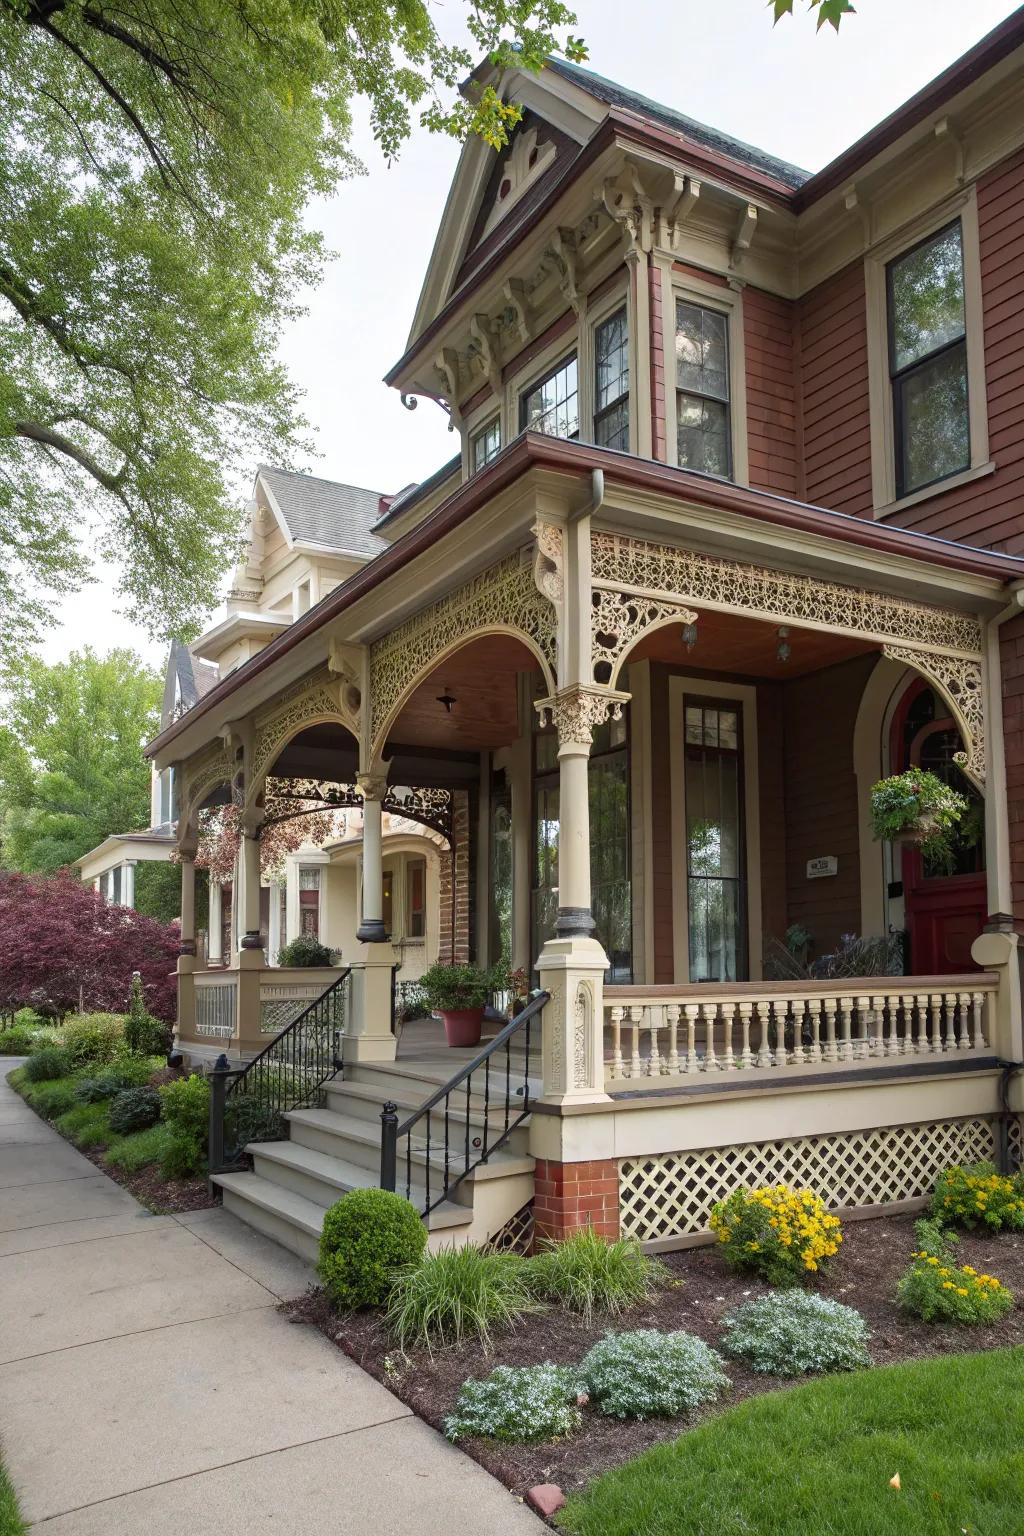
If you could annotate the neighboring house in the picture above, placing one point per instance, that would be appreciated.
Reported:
(733, 531)
(306, 536)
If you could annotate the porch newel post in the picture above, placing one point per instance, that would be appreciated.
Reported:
(214, 938)
(371, 929)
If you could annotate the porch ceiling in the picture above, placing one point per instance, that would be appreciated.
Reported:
(733, 643)
(481, 678)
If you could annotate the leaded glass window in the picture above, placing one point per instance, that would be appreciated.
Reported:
(552, 405)
(702, 389)
(611, 382)
(485, 444)
(928, 361)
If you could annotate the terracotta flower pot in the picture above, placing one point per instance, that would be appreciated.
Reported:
(462, 1025)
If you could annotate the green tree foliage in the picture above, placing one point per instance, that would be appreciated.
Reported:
(830, 12)
(71, 764)
(157, 160)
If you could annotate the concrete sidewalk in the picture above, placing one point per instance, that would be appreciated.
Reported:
(147, 1382)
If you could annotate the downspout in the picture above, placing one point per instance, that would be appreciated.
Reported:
(997, 850)
(596, 501)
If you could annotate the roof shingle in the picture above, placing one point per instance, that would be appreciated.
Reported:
(325, 511)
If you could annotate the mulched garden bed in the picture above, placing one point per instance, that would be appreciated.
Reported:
(159, 1195)
(863, 1275)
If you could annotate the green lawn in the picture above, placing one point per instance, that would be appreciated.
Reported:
(11, 1523)
(816, 1461)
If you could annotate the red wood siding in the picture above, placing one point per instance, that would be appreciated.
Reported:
(771, 392)
(821, 798)
(832, 360)
(987, 512)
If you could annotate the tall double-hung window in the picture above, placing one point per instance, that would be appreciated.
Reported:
(611, 382)
(552, 405)
(703, 426)
(927, 335)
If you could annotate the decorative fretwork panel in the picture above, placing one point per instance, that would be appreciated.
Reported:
(516, 1236)
(430, 807)
(672, 1194)
(310, 701)
(207, 772)
(959, 678)
(216, 1010)
(502, 598)
(663, 571)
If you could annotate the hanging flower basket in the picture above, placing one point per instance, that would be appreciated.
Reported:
(918, 810)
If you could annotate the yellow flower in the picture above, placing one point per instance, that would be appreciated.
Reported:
(932, 1259)
(947, 1285)
(961, 1290)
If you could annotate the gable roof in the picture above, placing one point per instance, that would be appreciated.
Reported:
(187, 679)
(324, 512)
(614, 95)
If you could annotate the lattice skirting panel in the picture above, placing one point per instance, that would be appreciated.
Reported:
(672, 1194)
(516, 1236)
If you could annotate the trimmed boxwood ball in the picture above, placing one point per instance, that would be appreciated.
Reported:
(648, 1374)
(134, 1109)
(366, 1236)
(788, 1333)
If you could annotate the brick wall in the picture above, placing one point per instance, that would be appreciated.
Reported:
(569, 1196)
(455, 893)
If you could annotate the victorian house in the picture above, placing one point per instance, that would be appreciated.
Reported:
(734, 530)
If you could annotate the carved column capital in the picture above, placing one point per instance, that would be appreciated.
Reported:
(575, 710)
(372, 786)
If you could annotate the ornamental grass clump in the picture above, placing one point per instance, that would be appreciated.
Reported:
(521, 1403)
(978, 1196)
(47, 1064)
(784, 1235)
(457, 1294)
(648, 1374)
(586, 1273)
(790, 1333)
(939, 1291)
(367, 1237)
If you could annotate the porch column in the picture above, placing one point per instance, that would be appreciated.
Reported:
(128, 884)
(188, 902)
(214, 939)
(573, 963)
(186, 1015)
(371, 929)
(249, 911)
(274, 926)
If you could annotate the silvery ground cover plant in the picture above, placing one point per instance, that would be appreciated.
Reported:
(790, 1333)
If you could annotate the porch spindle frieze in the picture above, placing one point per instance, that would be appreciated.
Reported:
(638, 585)
(207, 771)
(505, 599)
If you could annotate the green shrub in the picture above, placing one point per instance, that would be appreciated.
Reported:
(978, 1196)
(51, 1098)
(93, 1037)
(588, 1274)
(784, 1235)
(788, 1333)
(247, 1118)
(93, 1090)
(649, 1374)
(140, 1150)
(47, 1064)
(87, 1125)
(28, 1018)
(458, 1293)
(144, 1035)
(185, 1107)
(935, 1289)
(920, 805)
(134, 1109)
(182, 1157)
(18, 1040)
(522, 1403)
(306, 951)
(368, 1235)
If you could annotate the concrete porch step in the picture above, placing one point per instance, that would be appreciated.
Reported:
(322, 1178)
(363, 1102)
(358, 1142)
(295, 1222)
(426, 1076)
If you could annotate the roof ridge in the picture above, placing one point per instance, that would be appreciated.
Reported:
(302, 474)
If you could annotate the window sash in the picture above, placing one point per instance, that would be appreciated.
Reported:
(485, 444)
(698, 385)
(563, 383)
(611, 393)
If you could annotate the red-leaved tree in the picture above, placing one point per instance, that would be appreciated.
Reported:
(60, 942)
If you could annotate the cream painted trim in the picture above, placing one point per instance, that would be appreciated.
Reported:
(641, 820)
(954, 483)
(883, 449)
(881, 693)
(678, 687)
(538, 367)
(729, 301)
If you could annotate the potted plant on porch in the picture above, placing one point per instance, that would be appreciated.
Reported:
(460, 994)
(918, 808)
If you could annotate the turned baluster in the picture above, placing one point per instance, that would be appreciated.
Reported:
(709, 1012)
(978, 1013)
(764, 1053)
(860, 1044)
(935, 1014)
(654, 1060)
(728, 1016)
(949, 1009)
(963, 1011)
(846, 1052)
(779, 1010)
(907, 1002)
(636, 1014)
(891, 1004)
(617, 1066)
(691, 1010)
(746, 1054)
(672, 1015)
(921, 1004)
(831, 1051)
(876, 1025)
(814, 1010)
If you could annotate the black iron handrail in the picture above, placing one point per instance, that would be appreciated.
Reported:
(249, 1103)
(480, 1144)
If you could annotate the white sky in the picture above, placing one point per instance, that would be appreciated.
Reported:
(799, 94)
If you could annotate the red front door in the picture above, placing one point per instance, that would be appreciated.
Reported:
(945, 907)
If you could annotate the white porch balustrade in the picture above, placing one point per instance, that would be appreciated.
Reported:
(679, 1032)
